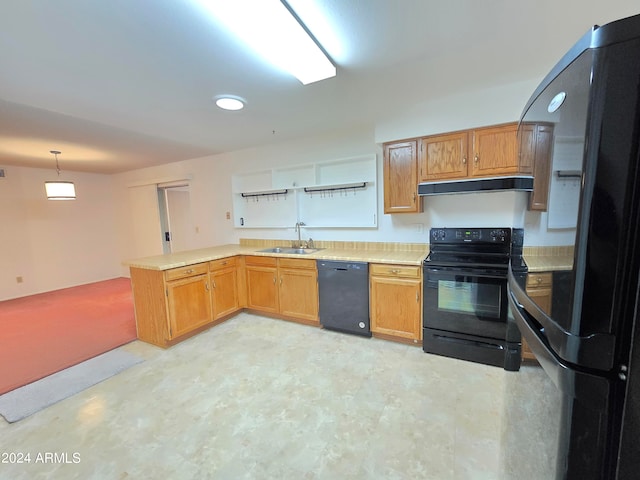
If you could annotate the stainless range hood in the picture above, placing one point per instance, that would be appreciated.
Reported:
(492, 184)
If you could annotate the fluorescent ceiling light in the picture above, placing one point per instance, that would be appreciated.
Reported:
(270, 28)
(227, 102)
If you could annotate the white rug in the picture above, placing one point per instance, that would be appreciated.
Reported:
(24, 401)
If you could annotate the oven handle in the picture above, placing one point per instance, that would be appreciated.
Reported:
(462, 271)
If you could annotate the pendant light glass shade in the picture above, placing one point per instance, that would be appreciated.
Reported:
(58, 189)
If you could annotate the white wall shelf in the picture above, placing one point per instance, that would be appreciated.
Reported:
(338, 193)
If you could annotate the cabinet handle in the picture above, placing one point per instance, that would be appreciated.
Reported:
(539, 279)
(476, 158)
(417, 297)
(224, 263)
(206, 286)
(395, 270)
(213, 282)
(274, 279)
(464, 160)
(414, 196)
(190, 270)
(280, 281)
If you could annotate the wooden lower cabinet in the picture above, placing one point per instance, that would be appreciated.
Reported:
(223, 276)
(169, 305)
(173, 304)
(539, 289)
(189, 304)
(396, 301)
(262, 286)
(298, 288)
(285, 286)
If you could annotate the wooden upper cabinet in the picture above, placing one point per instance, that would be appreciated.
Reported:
(401, 177)
(444, 156)
(527, 148)
(542, 143)
(494, 151)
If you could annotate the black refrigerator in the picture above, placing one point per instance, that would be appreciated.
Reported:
(578, 417)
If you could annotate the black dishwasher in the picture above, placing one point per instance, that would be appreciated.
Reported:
(344, 296)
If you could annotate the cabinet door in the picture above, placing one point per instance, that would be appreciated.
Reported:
(189, 304)
(527, 149)
(299, 293)
(539, 289)
(443, 156)
(495, 151)
(262, 290)
(395, 306)
(401, 178)
(541, 168)
(224, 292)
(542, 296)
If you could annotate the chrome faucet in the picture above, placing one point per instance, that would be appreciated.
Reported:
(299, 230)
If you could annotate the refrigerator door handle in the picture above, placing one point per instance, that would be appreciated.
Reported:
(589, 388)
(594, 351)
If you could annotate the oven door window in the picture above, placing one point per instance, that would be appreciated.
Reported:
(469, 304)
(465, 296)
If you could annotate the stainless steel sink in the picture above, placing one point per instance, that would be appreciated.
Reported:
(291, 250)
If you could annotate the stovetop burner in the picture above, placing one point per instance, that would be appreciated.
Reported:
(470, 247)
(472, 260)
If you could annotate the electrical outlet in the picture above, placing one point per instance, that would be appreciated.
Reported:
(228, 215)
(197, 229)
(19, 279)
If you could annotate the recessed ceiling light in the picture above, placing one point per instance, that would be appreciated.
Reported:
(228, 102)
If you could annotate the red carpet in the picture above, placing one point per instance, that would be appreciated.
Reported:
(45, 333)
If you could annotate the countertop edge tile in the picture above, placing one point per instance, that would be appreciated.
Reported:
(191, 257)
(548, 263)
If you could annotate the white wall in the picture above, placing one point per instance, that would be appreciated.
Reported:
(55, 244)
(59, 244)
(210, 184)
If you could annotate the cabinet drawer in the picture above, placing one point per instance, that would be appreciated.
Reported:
(535, 280)
(261, 261)
(395, 270)
(189, 271)
(222, 263)
(296, 263)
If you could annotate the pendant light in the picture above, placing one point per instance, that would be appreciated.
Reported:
(59, 190)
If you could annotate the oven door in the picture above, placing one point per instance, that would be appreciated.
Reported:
(468, 301)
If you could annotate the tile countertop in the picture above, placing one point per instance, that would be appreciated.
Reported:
(548, 263)
(190, 257)
(548, 259)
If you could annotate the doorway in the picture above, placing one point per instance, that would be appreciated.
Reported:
(175, 217)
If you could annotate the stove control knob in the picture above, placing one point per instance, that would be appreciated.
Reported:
(498, 235)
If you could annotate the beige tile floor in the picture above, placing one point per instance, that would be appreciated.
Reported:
(260, 398)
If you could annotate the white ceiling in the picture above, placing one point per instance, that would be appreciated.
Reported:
(123, 84)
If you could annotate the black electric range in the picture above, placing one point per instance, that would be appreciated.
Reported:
(465, 307)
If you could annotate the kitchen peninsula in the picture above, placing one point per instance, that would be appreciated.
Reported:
(179, 295)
